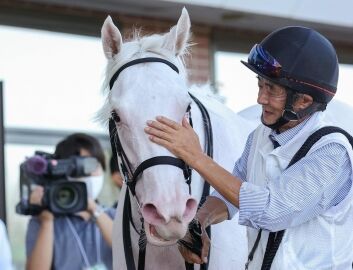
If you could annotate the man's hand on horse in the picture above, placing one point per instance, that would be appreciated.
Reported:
(188, 254)
(181, 140)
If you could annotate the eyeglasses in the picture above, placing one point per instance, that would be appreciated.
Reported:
(271, 90)
(264, 62)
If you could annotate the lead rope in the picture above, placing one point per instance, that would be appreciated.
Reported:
(209, 152)
(206, 188)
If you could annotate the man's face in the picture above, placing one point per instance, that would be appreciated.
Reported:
(272, 97)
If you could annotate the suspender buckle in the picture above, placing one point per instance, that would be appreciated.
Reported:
(247, 264)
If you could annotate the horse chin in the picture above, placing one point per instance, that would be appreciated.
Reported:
(162, 236)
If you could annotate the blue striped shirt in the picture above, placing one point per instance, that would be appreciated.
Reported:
(307, 189)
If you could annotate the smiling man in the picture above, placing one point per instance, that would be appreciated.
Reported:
(299, 216)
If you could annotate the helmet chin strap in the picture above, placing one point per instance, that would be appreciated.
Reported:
(275, 126)
(289, 114)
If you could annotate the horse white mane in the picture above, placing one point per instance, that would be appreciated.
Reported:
(141, 47)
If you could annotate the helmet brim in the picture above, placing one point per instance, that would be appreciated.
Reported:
(319, 96)
(252, 68)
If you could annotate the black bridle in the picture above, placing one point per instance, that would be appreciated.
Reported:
(131, 177)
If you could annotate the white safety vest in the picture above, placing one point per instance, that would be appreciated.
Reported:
(326, 241)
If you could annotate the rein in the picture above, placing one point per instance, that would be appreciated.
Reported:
(131, 177)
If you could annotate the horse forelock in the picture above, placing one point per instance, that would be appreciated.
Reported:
(143, 46)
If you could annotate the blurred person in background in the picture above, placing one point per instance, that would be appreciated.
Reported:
(115, 173)
(5, 252)
(79, 241)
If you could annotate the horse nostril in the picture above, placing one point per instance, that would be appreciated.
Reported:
(151, 214)
(190, 209)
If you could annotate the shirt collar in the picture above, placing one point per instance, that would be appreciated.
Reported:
(286, 136)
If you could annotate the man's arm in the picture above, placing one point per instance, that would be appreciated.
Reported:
(41, 256)
(220, 179)
(105, 224)
(213, 211)
(40, 242)
(103, 221)
(307, 189)
(183, 142)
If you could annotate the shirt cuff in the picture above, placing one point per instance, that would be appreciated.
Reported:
(252, 202)
(232, 210)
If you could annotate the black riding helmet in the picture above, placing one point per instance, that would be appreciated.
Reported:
(303, 61)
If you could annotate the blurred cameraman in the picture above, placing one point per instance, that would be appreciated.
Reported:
(115, 173)
(80, 241)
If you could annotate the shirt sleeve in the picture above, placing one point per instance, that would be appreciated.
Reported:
(239, 171)
(307, 189)
(32, 235)
(110, 211)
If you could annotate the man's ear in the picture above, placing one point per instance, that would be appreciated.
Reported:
(304, 101)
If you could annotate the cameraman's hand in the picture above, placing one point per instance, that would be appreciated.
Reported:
(191, 257)
(87, 214)
(36, 195)
(91, 205)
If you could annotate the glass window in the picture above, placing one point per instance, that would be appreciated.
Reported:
(235, 83)
(51, 80)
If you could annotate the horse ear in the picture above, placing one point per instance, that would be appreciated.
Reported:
(177, 38)
(111, 38)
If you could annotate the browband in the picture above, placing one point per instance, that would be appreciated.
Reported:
(139, 61)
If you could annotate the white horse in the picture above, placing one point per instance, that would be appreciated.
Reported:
(142, 92)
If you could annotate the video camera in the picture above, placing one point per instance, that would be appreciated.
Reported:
(61, 196)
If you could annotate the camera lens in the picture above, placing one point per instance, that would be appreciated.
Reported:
(66, 197)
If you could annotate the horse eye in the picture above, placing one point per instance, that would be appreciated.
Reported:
(115, 117)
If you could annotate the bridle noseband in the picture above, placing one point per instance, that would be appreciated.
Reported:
(131, 177)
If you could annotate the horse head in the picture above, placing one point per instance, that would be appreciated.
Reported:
(140, 93)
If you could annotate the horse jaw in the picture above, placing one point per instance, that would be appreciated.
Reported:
(162, 236)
